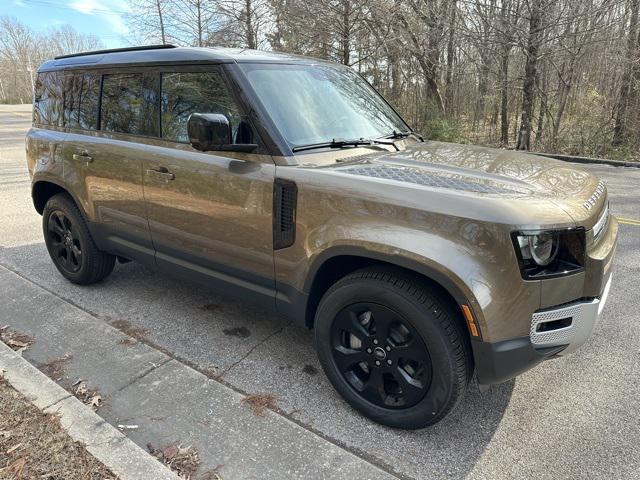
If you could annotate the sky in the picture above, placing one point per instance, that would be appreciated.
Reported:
(103, 18)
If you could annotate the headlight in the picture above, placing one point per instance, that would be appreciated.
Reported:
(542, 248)
(549, 253)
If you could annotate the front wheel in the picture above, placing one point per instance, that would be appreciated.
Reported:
(70, 245)
(392, 347)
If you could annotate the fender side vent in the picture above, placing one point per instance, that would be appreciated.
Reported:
(285, 196)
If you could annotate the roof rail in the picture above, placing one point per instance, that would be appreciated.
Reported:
(116, 50)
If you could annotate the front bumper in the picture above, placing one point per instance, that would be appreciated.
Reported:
(555, 331)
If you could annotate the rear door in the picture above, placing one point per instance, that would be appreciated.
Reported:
(209, 212)
(116, 118)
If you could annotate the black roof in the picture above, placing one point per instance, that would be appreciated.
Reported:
(170, 55)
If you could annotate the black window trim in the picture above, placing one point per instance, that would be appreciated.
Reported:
(158, 68)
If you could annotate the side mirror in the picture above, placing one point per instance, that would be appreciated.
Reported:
(208, 131)
(212, 131)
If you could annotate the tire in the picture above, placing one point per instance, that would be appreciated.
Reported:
(70, 245)
(423, 350)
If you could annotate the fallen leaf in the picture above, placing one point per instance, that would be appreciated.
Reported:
(81, 389)
(95, 401)
(170, 452)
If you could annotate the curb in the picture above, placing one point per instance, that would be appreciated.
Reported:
(107, 444)
(587, 160)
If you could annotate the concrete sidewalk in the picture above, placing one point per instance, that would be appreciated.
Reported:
(168, 401)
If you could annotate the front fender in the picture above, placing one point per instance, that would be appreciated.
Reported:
(473, 261)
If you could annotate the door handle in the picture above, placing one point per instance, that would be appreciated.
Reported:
(83, 157)
(161, 172)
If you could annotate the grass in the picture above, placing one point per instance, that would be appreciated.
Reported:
(33, 445)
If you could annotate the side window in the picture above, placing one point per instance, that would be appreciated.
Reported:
(128, 104)
(48, 100)
(89, 96)
(72, 86)
(198, 92)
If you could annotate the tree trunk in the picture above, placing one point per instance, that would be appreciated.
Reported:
(161, 20)
(530, 72)
(504, 96)
(428, 62)
(542, 88)
(199, 20)
(448, 99)
(251, 37)
(563, 96)
(346, 32)
(626, 88)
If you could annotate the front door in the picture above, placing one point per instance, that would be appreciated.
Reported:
(210, 214)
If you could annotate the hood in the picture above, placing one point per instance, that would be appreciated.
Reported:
(487, 171)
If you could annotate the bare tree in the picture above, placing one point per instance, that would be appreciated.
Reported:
(628, 87)
(150, 20)
(22, 51)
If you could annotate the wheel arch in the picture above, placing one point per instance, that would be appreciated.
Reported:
(337, 262)
(43, 190)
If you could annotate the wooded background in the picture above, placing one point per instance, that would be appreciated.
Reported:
(556, 76)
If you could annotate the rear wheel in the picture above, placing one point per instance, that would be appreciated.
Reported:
(70, 245)
(392, 347)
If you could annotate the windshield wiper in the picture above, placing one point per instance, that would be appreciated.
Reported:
(335, 143)
(399, 135)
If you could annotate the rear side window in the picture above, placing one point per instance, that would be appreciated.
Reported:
(72, 86)
(127, 106)
(48, 101)
(89, 96)
(198, 92)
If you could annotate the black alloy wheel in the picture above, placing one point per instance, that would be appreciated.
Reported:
(70, 244)
(381, 355)
(65, 242)
(394, 346)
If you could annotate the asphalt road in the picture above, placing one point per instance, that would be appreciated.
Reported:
(575, 417)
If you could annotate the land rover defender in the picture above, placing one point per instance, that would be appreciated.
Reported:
(290, 181)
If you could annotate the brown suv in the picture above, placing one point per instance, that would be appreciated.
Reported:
(290, 181)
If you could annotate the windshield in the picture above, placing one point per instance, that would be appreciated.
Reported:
(319, 103)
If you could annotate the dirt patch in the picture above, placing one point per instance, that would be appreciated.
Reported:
(131, 330)
(54, 369)
(182, 460)
(240, 332)
(210, 370)
(310, 370)
(260, 403)
(17, 341)
(34, 445)
(211, 307)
